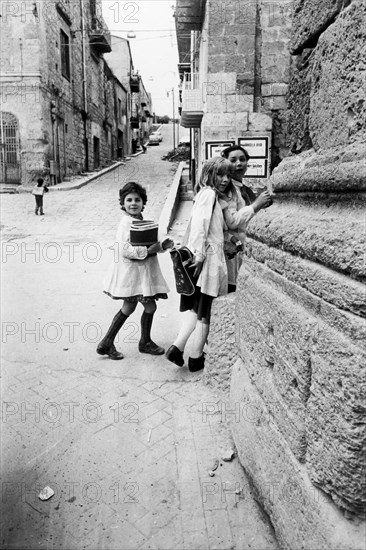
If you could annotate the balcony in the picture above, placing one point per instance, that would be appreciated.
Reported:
(189, 14)
(99, 36)
(135, 83)
(135, 122)
(192, 102)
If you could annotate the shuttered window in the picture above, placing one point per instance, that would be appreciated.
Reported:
(65, 54)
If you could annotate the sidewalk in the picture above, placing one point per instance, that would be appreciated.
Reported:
(126, 446)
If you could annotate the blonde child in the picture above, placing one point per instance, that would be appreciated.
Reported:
(206, 242)
(135, 277)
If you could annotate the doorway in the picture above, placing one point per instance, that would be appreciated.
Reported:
(96, 149)
(9, 144)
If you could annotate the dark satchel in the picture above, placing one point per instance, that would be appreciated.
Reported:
(182, 257)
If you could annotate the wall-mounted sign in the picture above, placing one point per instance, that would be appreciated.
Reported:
(258, 150)
(257, 168)
(257, 147)
(214, 148)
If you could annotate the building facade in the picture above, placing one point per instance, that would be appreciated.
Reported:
(139, 102)
(63, 111)
(235, 66)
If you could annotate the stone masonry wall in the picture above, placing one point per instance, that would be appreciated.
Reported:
(300, 312)
(48, 105)
(221, 349)
(248, 68)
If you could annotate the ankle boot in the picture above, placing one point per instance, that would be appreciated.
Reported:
(196, 363)
(106, 346)
(110, 350)
(146, 345)
(175, 356)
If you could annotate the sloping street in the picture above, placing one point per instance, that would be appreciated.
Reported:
(126, 446)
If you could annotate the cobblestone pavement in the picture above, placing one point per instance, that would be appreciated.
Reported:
(126, 446)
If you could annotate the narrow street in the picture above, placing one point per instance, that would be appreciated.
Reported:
(126, 446)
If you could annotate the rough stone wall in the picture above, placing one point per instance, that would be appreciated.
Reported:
(327, 104)
(300, 312)
(221, 349)
(248, 68)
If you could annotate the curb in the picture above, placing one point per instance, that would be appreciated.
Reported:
(75, 185)
(136, 154)
(171, 204)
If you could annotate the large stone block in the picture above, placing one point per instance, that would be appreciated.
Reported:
(298, 100)
(337, 104)
(343, 293)
(336, 419)
(275, 340)
(259, 122)
(239, 103)
(221, 351)
(310, 376)
(310, 19)
(339, 170)
(304, 518)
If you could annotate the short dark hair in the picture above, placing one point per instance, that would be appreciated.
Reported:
(40, 181)
(226, 152)
(132, 187)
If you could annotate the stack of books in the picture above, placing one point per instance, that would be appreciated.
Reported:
(143, 232)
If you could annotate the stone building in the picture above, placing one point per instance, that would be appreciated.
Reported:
(297, 372)
(235, 67)
(62, 110)
(139, 104)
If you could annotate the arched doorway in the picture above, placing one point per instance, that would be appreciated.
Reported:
(9, 144)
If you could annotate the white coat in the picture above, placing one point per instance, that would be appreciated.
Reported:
(206, 241)
(133, 272)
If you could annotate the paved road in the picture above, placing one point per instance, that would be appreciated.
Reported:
(126, 446)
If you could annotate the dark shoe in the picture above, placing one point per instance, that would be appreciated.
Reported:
(175, 356)
(111, 351)
(41, 214)
(196, 363)
(151, 348)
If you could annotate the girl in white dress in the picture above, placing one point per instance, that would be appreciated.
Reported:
(135, 276)
(206, 242)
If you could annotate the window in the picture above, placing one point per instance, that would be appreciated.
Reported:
(65, 54)
(119, 110)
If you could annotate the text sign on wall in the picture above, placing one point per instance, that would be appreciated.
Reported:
(214, 148)
(257, 148)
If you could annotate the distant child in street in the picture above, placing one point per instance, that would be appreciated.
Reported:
(38, 191)
(135, 276)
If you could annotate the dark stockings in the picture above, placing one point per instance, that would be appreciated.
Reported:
(146, 322)
(117, 323)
